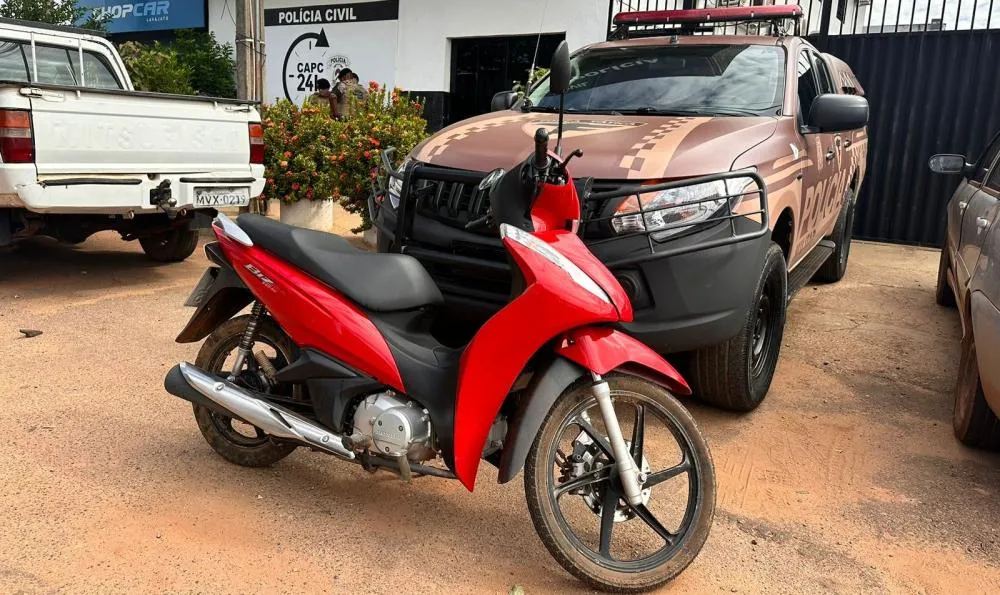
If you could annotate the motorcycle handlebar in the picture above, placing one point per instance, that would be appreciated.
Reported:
(541, 149)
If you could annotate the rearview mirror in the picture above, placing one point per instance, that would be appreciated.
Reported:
(503, 100)
(838, 113)
(947, 163)
(559, 70)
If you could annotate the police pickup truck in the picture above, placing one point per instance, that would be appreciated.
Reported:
(81, 151)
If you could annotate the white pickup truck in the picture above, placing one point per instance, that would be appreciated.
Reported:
(81, 151)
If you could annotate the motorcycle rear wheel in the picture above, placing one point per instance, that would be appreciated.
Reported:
(239, 443)
(552, 480)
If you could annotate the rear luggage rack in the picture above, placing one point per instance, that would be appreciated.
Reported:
(657, 23)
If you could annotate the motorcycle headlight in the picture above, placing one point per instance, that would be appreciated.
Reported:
(395, 185)
(552, 255)
(686, 204)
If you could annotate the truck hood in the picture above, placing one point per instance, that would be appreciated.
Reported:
(614, 147)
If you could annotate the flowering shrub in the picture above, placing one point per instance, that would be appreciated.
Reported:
(311, 156)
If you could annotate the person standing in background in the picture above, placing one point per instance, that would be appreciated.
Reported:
(348, 85)
(323, 95)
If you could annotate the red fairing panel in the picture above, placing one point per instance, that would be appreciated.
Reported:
(572, 247)
(313, 314)
(605, 350)
(551, 305)
(556, 208)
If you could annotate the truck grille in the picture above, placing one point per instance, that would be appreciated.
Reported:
(453, 203)
(456, 204)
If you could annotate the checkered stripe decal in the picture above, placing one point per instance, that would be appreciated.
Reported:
(441, 145)
(649, 157)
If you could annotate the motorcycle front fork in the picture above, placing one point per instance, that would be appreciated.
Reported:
(628, 471)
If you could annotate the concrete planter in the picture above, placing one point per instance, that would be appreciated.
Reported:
(310, 214)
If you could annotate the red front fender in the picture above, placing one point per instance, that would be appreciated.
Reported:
(603, 350)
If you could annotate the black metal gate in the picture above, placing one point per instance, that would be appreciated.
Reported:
(929, 70)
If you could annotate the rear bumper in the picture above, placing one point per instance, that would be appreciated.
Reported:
(114, 194)
(682, 302)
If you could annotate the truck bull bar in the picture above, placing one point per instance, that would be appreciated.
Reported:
(744, 212)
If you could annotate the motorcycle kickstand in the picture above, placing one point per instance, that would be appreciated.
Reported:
(627, 469)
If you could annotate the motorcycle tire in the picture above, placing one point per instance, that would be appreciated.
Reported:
(222, 433)
(599, 568)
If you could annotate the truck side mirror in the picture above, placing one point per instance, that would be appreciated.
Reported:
(503, 100)
(947, 163)
(560, 71)
(838, 113)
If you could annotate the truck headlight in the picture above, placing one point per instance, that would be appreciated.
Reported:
(686, 204)
(552, 255)
(395, 185)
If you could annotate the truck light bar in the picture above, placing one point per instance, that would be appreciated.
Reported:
(710, 15)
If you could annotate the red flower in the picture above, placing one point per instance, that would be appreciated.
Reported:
(288, 154)
(294, 139)
(296, 186)
(368, 154)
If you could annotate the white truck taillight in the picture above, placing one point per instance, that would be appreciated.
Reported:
(16, 142)
(256, 144)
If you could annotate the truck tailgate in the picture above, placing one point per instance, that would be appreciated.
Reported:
(85, 132)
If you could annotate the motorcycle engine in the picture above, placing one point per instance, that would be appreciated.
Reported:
(396, 428)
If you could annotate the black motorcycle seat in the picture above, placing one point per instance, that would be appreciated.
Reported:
(376, 282)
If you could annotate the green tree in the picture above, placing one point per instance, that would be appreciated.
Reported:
(53, 12)
(213, 70)
(156, 68)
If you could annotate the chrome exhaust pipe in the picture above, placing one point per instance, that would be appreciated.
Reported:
(273, 420)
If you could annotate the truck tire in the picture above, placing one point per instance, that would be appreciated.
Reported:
(943, 294)
(170, 246)
(383, 241)
(834, 269)
(976, 425)
(737, 374)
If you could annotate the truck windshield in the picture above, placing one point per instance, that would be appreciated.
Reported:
(724, 80)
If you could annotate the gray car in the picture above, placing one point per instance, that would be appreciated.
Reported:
(969, 280)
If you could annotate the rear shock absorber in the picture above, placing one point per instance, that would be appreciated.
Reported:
(246, 343)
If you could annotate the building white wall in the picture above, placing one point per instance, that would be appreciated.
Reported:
(426, 28)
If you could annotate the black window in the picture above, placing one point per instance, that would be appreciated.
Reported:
(482, 66)
(728, 80)
(56, 66)
(807, 85)
(984, 163)
(823, 72)
(13, 66)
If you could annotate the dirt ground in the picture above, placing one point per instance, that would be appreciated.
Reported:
(847, 480)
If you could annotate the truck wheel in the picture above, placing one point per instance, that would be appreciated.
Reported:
(835, 267)
(170, 246)
(383, 241)
(736, 375)
(975, 423)
(943, 295)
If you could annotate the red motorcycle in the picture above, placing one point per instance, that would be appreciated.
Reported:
(337, 355)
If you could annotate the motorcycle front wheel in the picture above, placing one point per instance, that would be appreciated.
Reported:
(576, 499)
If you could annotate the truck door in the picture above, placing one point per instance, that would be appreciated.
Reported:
(821, 185)
(980, 210)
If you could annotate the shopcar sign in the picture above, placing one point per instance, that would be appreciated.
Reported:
(309, 43)
(148, 15)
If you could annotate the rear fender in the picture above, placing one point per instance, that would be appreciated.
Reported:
(220, 301)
